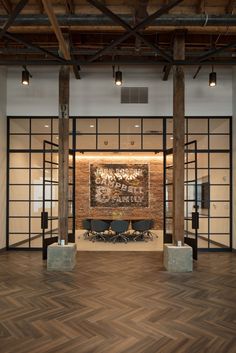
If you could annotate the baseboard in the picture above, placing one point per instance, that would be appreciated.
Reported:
(3, 249)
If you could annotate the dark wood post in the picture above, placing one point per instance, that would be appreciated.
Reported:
(64, 81)
(178, 139)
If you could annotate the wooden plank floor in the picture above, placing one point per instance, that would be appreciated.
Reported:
(117, 302)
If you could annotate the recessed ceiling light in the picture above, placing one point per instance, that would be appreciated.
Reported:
(46, 125)
(172, 138)
(91, 125)
(136, 125)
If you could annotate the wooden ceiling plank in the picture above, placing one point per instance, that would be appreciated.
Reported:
(200, 8)
(70, 6)
(41, 7)
(229, 7)
(15, 12)
(7, 6)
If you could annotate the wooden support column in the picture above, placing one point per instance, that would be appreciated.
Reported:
(63, 189)
(178, 139)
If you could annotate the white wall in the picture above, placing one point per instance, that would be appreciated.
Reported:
(234, 157)
(95, 94)
(3, 155)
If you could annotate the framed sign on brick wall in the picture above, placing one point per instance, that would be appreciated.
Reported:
(119, 185)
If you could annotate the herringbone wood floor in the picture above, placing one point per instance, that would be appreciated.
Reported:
(117, 303)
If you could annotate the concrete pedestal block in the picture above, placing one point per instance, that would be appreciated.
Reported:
(61, 258)
(178, 258)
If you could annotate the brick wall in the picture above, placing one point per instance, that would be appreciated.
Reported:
(155, 209)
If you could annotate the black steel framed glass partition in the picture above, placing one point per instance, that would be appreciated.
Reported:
(119, 134)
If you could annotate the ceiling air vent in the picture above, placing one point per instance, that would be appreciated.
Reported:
(134, 95)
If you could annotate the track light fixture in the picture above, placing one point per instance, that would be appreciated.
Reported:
(25, 76)
(118, 77)
(212, 78)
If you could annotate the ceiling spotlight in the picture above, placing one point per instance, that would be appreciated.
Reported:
(136, 125)
(118, 77)
(25, 76)
(172, 138)
(46, 125)
(212, 78)
(91, 125)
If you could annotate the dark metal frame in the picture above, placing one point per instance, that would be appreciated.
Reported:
(165, 134)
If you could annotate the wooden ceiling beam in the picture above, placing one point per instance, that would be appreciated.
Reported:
(7, 6)
(200, 8)
(166, 72)
(15, 12)
(41, 7)
(229, 7)
(70, 6)
(56, 29)
(63, 45)
(133, 31)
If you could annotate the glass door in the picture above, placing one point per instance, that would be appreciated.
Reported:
(49, 215)
(191, 215)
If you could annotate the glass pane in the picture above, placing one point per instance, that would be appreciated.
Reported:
(41, 126)
(152, 126)
(169, 141)
(36, 241)
(86, 142)
(108, 142)
(19, 126)
(19, 192)
(220, 192)
(220, 176)
(36, 176)
(130, 125)
(19, 142)
(130, 142)
(219, 142)
(35, 225)
(169, 126)
(36, 208)
(222, 240)
(19, 160)
(36, 160)
(19, 209)
(219, 160)
(108, 125)
(202, 160)
(152, 142)
(220, 209)
(203, 241)
(37, 141)
(202, 141)
(19, 240)
(219, 225)
(19, 176)
(196, 126)
(18, 225)
(203, 224)
(87, 126)
(219, 126)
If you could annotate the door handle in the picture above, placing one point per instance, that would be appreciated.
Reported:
(195, 220)
(44, 220)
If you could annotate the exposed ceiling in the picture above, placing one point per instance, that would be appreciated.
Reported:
(80, 32)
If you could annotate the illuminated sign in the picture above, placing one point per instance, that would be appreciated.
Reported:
(119, 185)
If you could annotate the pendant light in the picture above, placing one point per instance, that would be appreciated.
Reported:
(25, 76)
(118, 77)
(212, 78)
